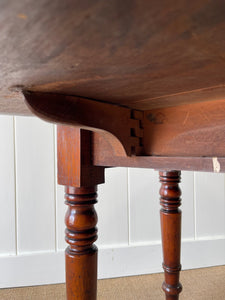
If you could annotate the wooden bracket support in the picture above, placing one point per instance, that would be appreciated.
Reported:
(120, 126)
(184, 131)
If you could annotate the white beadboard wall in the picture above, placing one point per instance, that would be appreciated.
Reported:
(32, 213)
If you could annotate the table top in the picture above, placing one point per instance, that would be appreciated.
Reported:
(138, 54)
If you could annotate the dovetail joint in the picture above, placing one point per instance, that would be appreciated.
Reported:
(136, 132)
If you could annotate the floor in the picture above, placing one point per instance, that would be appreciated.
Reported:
(199, 284)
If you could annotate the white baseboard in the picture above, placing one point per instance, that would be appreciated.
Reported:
(48, 268)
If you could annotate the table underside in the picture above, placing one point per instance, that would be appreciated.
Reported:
(138, 54)
(147, 77)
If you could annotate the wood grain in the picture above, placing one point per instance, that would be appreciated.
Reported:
(140, 54)
(186, 130)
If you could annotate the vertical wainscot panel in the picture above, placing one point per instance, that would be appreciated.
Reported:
(7, 187)
(60, 216)
(144, 206)
(60, 206)
(112, 208)
(187, 205)
(210, 205)
(34, 144)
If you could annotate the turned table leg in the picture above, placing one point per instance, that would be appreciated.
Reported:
(80, 177)
(171, 232)
(81, 233)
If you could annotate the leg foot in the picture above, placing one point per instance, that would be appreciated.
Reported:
(171, 232)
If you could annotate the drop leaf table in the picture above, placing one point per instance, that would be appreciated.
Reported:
(130, 83)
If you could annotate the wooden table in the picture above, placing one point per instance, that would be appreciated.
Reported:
(129, 83)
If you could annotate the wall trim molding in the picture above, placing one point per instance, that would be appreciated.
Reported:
(116, 261)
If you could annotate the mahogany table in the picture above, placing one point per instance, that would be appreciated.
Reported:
(131, 83)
